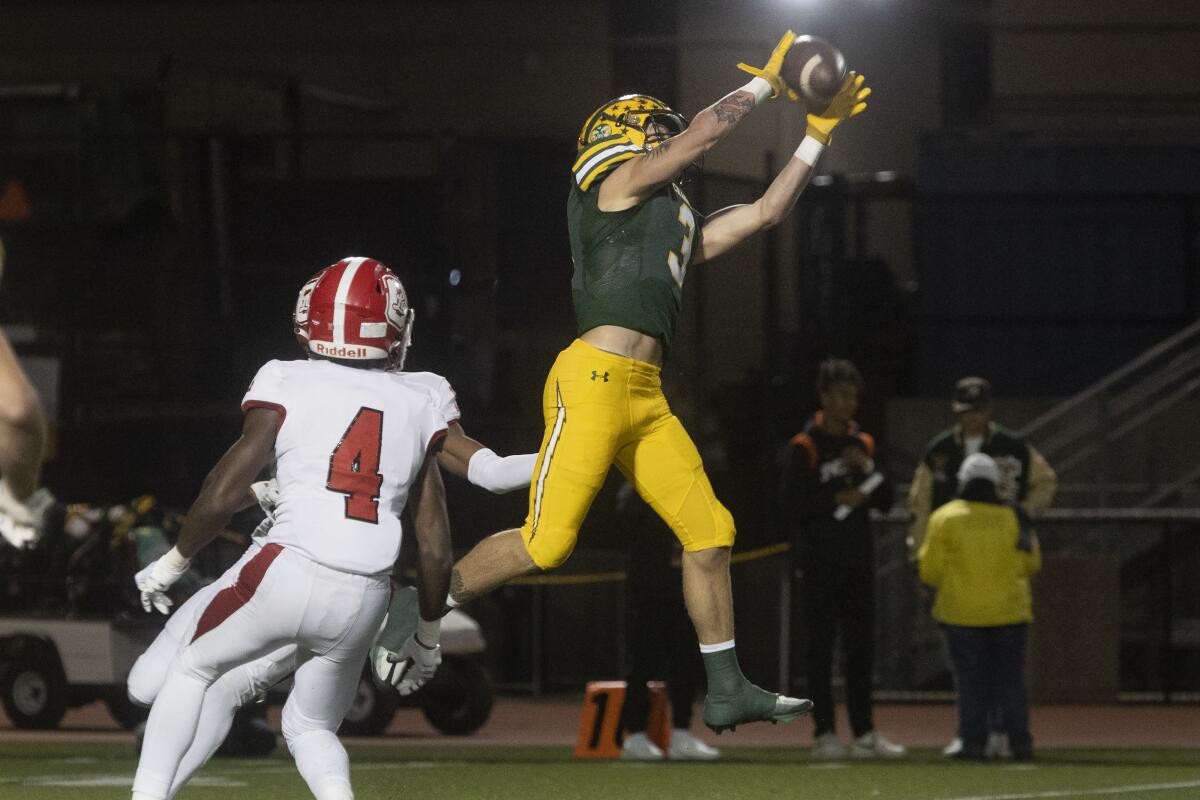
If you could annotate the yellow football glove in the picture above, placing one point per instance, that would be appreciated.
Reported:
(770, 72)
(844, 105)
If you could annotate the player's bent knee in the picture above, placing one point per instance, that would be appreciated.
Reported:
(726, 532)
(144, 681)
(720, 535)
(550, 548)
(295, 725)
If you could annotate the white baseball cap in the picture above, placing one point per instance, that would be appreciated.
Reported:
(978, 465)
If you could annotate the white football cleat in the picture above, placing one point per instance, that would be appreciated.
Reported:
(952, 749)
(685, 747)
(873, 745)
(828, 747)
(997, 746)
(638, 747)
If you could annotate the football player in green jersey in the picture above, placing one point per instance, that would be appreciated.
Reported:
(633, 237)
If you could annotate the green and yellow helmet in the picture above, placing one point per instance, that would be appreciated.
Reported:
(630, 117)
(622, 129)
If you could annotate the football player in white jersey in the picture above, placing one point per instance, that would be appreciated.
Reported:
(460, 455)
(352, 438)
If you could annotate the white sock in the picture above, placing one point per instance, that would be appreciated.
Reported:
(169, 733)
(221, 702)
(718, 647)
(323, 764)
(451, 602)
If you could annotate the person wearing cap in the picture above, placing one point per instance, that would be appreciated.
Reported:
(979, 554)
(830, 483)
(1026, 478)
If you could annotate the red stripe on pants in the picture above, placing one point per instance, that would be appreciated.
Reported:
(231, 598)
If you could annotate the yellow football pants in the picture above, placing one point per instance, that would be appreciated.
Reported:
(603, 409)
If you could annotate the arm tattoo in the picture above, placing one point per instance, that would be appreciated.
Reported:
(461, 594)
(732, 108)
(658, 151)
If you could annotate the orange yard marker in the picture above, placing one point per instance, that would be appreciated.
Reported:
(600, 733)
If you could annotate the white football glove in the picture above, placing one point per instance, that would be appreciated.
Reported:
(21, 520)
(157, 577)
(267, 494)
(409, 669)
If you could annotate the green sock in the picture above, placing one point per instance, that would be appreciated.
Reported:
(401, 619)
(724, 675)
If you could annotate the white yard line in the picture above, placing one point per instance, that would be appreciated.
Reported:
(368, 767)
(1110, 790)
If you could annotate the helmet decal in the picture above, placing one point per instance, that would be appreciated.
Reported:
(602, 131)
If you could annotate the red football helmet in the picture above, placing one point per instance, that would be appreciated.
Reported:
(355, 310)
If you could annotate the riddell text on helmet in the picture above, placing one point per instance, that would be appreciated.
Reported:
(339, 351)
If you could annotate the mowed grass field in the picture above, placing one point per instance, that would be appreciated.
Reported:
(99, 771)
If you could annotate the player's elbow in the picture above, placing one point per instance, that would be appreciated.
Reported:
(219, 499)
(769, 216)
(22, 410)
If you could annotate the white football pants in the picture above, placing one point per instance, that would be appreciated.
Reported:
(280, 598)
(231, 691)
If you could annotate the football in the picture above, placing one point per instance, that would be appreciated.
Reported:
(814, 69)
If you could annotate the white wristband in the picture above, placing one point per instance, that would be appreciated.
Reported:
(429, 633)
(809, 151)
(761, 90)
(175, 562)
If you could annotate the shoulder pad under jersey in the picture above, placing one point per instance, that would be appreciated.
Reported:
(444, 397)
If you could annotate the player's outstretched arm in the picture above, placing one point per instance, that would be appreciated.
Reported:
(472, 461)
(224, 492)
(724, 229)
(639, 178)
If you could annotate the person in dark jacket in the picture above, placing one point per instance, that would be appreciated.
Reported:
(830, 482)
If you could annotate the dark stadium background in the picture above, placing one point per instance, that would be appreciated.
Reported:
(1020, 201)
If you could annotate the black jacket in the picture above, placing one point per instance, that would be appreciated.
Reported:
(813, 473)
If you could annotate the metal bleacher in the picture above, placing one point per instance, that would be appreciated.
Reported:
(1130, 440)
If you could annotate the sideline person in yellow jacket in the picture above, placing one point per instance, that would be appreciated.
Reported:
(979, 554)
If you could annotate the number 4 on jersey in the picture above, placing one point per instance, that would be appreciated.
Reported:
(354, 465)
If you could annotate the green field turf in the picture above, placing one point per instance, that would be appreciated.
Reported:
(102, 771)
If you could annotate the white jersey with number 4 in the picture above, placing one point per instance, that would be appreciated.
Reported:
(349, 445)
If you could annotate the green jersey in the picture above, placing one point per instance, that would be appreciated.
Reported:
(629, 265)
